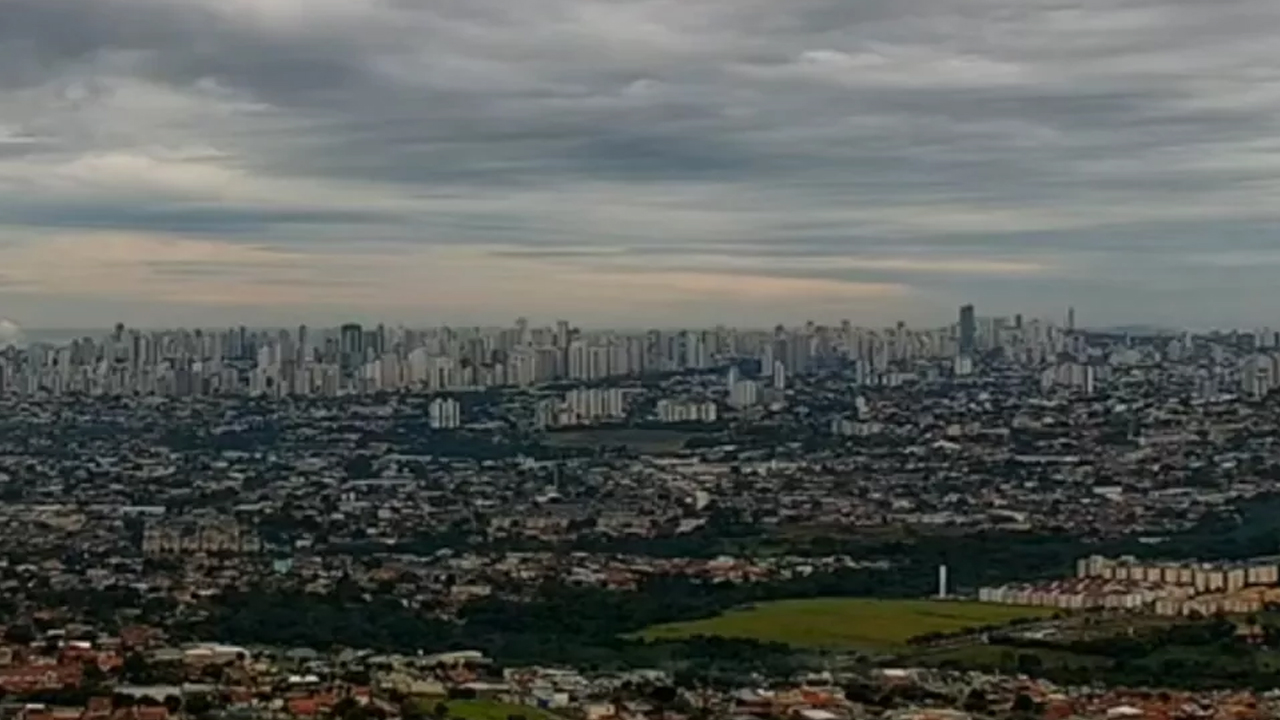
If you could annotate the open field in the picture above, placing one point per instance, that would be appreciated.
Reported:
(488, 710)
(638, 439)
(846, 623)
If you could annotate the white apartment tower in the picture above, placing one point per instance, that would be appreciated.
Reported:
(444, 414)
(744, 394)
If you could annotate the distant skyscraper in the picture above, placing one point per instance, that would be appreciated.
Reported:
(304, 351)
(1071, 318)
(779, 375)
(523, 337)
(351, 345)
(968, 330)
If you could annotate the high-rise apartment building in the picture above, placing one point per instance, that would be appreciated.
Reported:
(444, 414)
(351, 346)
(744, 394)
(968, 330)
(684, 411)
(591, 405)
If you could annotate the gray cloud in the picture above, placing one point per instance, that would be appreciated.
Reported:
(177, 218)
(9, 282)
(1110, 140)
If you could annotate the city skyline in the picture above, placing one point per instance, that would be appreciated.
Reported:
(635, 162)
(353, 358)
(967, 317)
(1065, 317)
(356, 359)
(1059, 317)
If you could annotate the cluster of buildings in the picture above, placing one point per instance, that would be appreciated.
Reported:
(1167, 588)
(1203, 577)
(141, 674)
(687, 411)
(583, 406)
(188, 536)
(444, 414)
(1260, 374)
(984, 424)
(353, 359)
(208, 556)
(1083, 377)
(1083, 594)
(985, 451)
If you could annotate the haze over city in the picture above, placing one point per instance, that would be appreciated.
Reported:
(635, 162)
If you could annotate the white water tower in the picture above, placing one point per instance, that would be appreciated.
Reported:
(942, 582)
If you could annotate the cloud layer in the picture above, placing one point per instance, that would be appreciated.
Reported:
(637, 162)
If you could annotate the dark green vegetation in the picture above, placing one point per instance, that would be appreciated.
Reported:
(1211, 653)
(589, 627)
(584, 627)
(974, 559)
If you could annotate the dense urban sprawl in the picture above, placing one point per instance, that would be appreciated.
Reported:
(273, 523)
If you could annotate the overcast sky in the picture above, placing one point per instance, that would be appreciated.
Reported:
(636, 162)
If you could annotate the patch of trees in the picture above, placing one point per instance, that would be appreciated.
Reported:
(583, 626)
(1197, 655)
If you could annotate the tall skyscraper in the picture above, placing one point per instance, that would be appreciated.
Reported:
(304, 349)
(351, 345)
(968, 330)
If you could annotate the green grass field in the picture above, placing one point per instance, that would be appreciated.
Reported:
(489, 710)
(845, 623)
